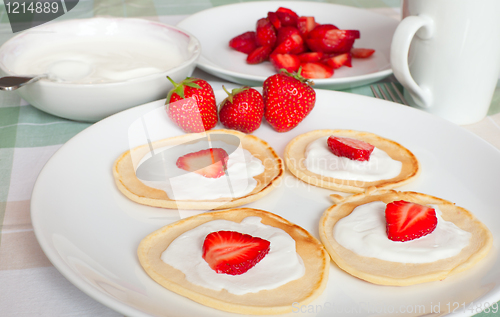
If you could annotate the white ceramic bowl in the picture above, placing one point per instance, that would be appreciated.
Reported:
(93, 101)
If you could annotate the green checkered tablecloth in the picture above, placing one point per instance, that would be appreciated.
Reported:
(29, 284)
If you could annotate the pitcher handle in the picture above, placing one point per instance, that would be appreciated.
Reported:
(411, 26)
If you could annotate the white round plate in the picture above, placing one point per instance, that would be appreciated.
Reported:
(216, 26)
(90, 231)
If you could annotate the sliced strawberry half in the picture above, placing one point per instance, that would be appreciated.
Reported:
(305, 24)
(310, 57)
(233, 253)
(353, 149)
(320, 30)
(339, 60)
(259, 55)
(331, 40)
(273, 18)
(244, 43)
(210, 163)
(285, 32)
(287, 17)
(362, 52)
(293, 43)
(408, 221)
(316, 70)
(340, 41)
(285, 61)
(265, 33)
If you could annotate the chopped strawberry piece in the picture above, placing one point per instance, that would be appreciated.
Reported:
(340, 41)
(305, 25)
(292, 43)
(362, 52)
(289, 11)
(337, 61)
(287, 16)
(332, 41)
(315, 45)
(266, 33)
(259, 55)
(273, 18)
(353, 149)
(234, 253)
(310, 57)
(210, 163)
(320, 30)
(316, 70)
(408, 221)
(287, 61)
(285, 32)
(244, 43)
(289, 41)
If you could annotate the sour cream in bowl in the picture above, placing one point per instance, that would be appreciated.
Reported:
(97, 67)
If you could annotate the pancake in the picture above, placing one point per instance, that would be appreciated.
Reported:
(394, 273)
(295, 158)
(274, 301)
(134, 189)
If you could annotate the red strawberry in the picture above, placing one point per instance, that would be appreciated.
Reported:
(259, 55)
(337, 61)
(266, 33)
(292, 43)
(362, 52)
(408, 221)
(244, 43)
(332, 41)
(273, 18)
(305, 25)
(340, 41)
(288, 99)
(351, 148)
(289, 62)
(242, 110)
(316, 70)
(191, 105)
(287, 16)
(233, 253)
(310, 57)
(319, 31)
(289, 41)
(209, 163)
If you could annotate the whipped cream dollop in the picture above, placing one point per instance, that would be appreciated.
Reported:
(281, 265)
(93, 60)
(242, 166)
(320, 160)
(364, 232)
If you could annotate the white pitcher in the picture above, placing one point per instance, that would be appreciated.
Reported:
(446, 54)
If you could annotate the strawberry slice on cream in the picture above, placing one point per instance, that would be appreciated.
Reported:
(408, 221)
(351, 148)
(233, 253)
(209, 163)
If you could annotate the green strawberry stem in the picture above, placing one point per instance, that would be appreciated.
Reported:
(179, 87)
(234, 92)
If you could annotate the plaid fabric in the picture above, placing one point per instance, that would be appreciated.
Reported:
(29, 284)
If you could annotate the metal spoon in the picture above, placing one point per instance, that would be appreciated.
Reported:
(14, 82)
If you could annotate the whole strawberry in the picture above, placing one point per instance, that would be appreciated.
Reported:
(191, 105)
(242, 110)
(288, 99)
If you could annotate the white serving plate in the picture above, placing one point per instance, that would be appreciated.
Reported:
(216, 26)
(90, 231)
